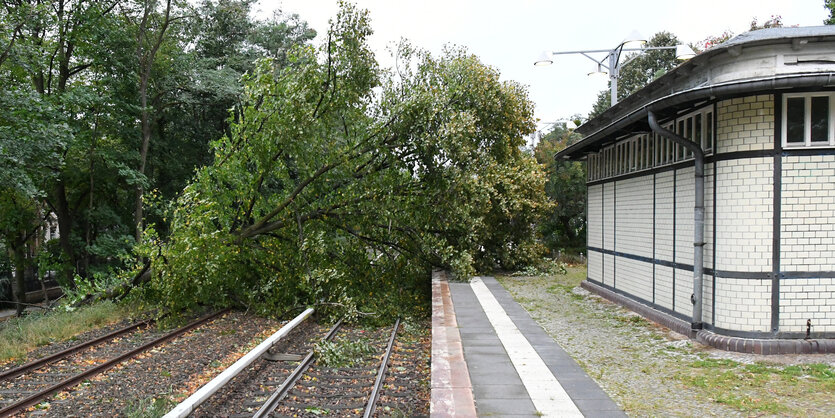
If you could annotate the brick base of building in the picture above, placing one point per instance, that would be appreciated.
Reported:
(722, 342)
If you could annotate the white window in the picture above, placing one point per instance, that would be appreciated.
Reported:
(698, 127)
(808, 120)
(649, 150)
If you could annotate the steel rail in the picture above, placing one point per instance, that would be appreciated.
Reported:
(72, 381)
(36, 364)
(279, 394)
(186, 407)
(381, 373)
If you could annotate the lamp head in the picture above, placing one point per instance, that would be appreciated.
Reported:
(545, 58)
(599, 71)
(684, 52)
(634, 40)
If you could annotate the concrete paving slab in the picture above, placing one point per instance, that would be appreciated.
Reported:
(498, 388)
(500, 391)
(502, 407)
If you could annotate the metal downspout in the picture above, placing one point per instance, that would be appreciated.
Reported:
(698, 215)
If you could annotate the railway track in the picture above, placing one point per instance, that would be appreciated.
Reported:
(29, 384)
(315, 388)
(289, 379)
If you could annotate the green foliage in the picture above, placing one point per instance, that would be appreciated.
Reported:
(644, 68)
(69, 140)
(151, 407)
(564, 227)
(340, 185)
(344, 353)
(20, 335)
(545, 267)
(775, 21)
(830, 6)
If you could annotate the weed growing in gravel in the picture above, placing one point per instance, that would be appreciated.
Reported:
(317, 411)
(152, 407)
(741, 385)
(343, 353)
(566, 289)
(20, 335)
(411, 327)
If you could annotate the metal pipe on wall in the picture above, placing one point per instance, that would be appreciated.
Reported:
(698, 215)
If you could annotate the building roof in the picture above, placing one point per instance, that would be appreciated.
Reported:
(706, 77)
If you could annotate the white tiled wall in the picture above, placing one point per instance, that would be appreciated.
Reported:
(743, 304)
(744, 215)
(807, 236)
(802, 299)
(745, 124)
(608, 232)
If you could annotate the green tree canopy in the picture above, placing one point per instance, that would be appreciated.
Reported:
(641, 70)
(564, 227)
(340, 181)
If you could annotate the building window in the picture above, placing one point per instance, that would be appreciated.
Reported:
(808, 120)
(645, 151)
(697, 127)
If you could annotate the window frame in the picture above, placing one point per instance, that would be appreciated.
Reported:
(807, 120)
(647, 150)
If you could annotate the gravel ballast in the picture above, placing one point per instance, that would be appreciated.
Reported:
(651, 371)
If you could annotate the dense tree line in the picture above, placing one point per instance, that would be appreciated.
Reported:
(230, 162)
(109, 106)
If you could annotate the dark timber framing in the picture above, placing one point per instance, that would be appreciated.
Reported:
(715, 163)
(777, 214)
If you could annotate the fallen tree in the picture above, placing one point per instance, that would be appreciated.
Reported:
(342, 184)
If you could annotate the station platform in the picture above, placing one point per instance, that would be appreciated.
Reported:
(489, 358)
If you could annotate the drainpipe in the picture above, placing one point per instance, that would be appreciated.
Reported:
(698, 215)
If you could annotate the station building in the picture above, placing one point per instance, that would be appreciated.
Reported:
(760, 108)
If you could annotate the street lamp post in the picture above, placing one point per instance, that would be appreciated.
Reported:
(613, 57)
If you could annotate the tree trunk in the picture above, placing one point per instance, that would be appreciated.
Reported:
(88, 225)
(143, 154)
(19, 287)
(146, 62)
(62, 211)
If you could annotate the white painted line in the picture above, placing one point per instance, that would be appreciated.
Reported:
(548, 396)
(187, 406)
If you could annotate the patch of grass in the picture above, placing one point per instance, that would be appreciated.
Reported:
(565, 289)
(344, 353)
(20, 335)
(759, 387)
(152, 407)
(574, 275)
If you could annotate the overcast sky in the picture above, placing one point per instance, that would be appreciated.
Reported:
(511, 35)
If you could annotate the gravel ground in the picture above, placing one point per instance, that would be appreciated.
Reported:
(245, 394)
(406, 390)
(144, 385)
(651, 371)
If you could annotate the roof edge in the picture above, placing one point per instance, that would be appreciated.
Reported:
(734, 88)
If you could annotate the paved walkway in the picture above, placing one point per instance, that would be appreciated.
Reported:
(515, 368)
